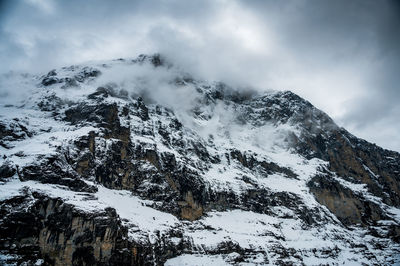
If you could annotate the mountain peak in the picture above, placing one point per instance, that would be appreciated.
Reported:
(135, 162)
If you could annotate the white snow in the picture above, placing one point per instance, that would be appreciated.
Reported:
(196, 260)
(143, 221)
(219, 131)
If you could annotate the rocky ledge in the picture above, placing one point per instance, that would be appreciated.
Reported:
(99, 170)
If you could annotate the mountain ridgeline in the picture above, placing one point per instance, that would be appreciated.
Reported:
(135, 162)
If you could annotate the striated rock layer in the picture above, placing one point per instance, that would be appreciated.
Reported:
(135, 162)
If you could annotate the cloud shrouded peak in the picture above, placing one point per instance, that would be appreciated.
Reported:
(342, 56)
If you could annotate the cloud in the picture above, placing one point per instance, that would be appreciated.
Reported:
(343, 56)
(156, 84)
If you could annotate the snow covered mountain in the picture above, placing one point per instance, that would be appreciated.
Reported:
(135, 162)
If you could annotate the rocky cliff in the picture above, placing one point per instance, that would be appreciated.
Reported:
(135, 162)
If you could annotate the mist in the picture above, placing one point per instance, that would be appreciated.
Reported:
(152, 84)
(342, 56)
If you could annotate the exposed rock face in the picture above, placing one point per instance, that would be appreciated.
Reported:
(7, 170)
(349, 157)
(59, 233)
(344, 203)
(114, 174)
(84, 74)
(360, 162)
(12, 131)
(55, 171)
(62, 235)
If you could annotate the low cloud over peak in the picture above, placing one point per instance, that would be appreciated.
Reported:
(343, 56)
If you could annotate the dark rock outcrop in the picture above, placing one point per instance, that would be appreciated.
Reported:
(35, 226)
(126, 141)
(12, 131)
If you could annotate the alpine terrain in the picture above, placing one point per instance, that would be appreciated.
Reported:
(136, 162)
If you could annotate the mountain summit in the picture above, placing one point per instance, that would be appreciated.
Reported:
(135, 162)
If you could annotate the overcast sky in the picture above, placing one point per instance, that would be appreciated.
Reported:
(342, 56)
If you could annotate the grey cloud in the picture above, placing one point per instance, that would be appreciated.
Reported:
(343, 56)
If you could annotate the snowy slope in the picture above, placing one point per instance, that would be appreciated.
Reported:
(217, 176)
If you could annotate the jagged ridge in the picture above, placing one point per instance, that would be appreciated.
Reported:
(202, 167)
